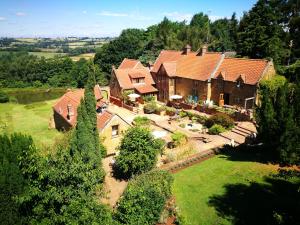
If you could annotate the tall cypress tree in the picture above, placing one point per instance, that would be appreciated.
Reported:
(90, 105)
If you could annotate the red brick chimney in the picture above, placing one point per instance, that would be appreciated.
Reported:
(70, 111)
(187, 49)
(204, 50)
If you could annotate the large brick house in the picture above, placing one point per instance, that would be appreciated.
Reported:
(209, 76)
(131, 75)
(110, 125)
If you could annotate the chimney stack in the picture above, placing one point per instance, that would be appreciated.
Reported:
(204, 50)
(187, 49)
(70, 111)
(150, 65)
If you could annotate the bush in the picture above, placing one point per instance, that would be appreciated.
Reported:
(182, 114)
(148, 98)
(216, 129)
(150, 107)
(3, 97)
(144, 198)
(141, 121)
(220, 119)
(178, 138)
(138, 152)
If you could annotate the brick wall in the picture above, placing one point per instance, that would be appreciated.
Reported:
(237, 95)
(186, 87)
(60, 122)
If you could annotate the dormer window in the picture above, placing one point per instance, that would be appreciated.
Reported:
(138, 80)
(240, 81)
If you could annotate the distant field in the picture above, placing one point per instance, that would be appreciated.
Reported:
(28, 40)
(86, 56)
(229, 189)
(47, 55)
(32, 119)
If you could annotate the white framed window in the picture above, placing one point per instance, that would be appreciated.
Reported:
(114, 130)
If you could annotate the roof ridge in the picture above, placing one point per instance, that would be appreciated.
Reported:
(247, 59)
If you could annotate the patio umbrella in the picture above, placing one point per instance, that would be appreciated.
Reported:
(175, 97)
(133, 96)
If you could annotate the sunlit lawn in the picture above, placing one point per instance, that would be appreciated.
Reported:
(196, 186)
(32, 119)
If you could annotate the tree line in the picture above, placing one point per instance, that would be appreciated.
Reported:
(269, 30)
(23, 70)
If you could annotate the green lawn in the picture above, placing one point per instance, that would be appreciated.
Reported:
(31, 119)
(227, 189)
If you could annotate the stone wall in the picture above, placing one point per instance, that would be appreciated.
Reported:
(110, 142)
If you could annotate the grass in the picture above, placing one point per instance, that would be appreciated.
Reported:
(32, 119)
(47, 55)
(86, 56)
(200, 190)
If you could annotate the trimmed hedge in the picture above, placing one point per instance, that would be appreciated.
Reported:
(144, 198)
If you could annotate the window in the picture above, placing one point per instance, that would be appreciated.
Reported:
(239, 84)
(138, 80)
(115, 130)
(195, 83)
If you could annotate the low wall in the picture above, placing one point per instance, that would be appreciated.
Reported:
(191, 160)
(115, 101)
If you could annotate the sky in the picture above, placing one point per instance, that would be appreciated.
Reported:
(101, 18)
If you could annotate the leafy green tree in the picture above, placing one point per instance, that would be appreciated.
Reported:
(128, 45)
(138, 152)
(144, 198)
(261, 34)
(278, 121)
(224, 32)
(62, 190)
(12, 182)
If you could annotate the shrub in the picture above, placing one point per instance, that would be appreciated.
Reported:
(3, 97)
(216, 129)
(182, 114)
(144, 198)
(141, 121)
(150, 107)
(220, 119)
(178, 138)
(182, 125)
(148, 98)
(138, 152)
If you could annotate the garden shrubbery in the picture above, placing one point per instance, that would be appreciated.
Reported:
(150, 107)
(144, 198)
(178, 138)
(138, 152)
(216, 129)
(221, 119)
(141, 121)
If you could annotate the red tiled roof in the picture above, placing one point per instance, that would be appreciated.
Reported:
(143, 89)
(136, 75)
(250, 70)
(192, 65)
(130, 64)
(170, 68)
(124, 76)
(166, 56)
(72, 98)
(103, 119)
